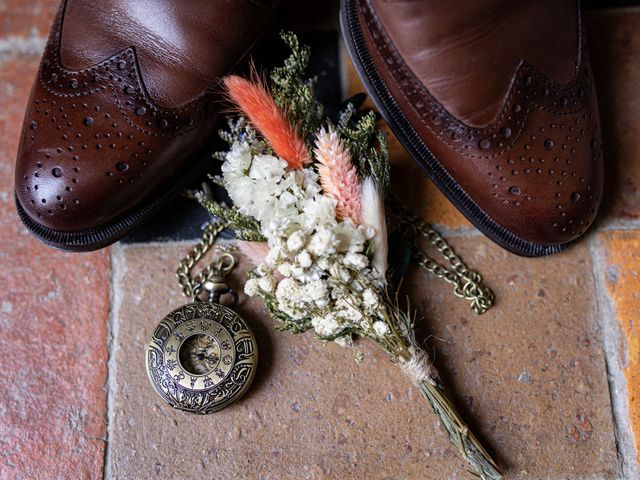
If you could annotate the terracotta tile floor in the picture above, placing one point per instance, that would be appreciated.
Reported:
(548, 378)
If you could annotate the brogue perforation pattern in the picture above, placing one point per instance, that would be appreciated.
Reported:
(503, 149)
(119, 124)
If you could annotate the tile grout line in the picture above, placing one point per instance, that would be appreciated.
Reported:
(622, 225)
(612, 336)
(117, 271)
(12, 46)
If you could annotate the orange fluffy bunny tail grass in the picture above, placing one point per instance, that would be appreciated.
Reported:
(258, 105)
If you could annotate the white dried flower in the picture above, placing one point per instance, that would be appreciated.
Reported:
(304, 259)
(274, 256)
(237, 160)
(323, 242)
(338, 292)
(286, 198)
(381, 328)
(310, 181)
(356, 260)
(347, 309)
(316, 291)
(263, 269)
(296, 241)
(297, 272)
(267, 284)
(267, 167)
(344, 341)
(370, 298)
(239, 190)
(310, 275)
(285, 269)
(318, 210)
(327, 325)
(287, 290)
(251, 287)
(323, 263)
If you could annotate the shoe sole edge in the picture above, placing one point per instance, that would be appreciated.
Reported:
(101, 236)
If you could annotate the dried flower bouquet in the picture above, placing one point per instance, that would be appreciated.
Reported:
(309, 211)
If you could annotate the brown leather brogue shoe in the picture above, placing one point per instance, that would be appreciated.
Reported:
(495, 100)
(126, 97)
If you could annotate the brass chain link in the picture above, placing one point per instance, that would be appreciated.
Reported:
(189, 284)
(467, 283)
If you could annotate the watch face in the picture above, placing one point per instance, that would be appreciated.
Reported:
(200, 354)
(202, 357)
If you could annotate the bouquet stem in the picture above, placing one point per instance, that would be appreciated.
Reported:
(458, 432)
(406, 352)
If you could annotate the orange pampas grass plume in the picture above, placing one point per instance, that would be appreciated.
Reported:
(338, 175)
(255, 101)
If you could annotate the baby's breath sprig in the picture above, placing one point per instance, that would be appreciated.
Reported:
(239, 130)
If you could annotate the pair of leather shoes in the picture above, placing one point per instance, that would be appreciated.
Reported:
(494, 98)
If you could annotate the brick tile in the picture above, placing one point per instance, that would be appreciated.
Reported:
(16, 78)
(305, 394)
(26, 18)
(53, 331)
(409, 180)
(530, 375)
(531, 371)
(622, 280)
(53, 316)
(614, 37)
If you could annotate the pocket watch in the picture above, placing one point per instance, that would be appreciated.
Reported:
(203, 356)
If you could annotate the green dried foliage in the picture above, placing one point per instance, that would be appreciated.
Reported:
(368, 145)
(285, 322)
(241, 130)
(295, 94)
(346, 116)
(244, 227)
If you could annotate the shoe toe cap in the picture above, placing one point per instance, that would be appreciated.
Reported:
(547, 187)
(93, 146)
(64, 194)
(85, 173)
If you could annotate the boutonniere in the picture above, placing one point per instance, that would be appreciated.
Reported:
(309, 196)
